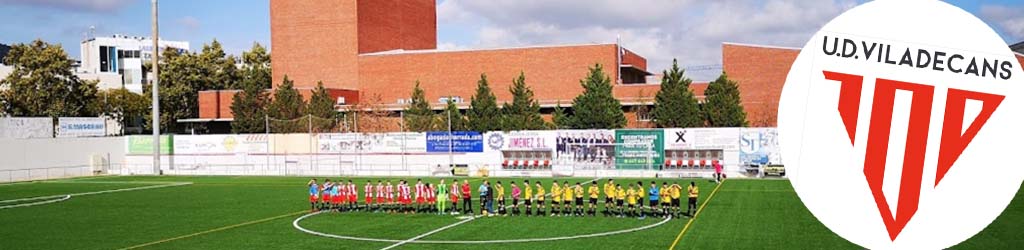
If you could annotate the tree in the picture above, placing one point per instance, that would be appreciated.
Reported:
(559, 119)
(723, 107)
(370, 115)
(675, 105)
(42, 83)
(181, 79)
(288, 106)
(458, 121)
(418, 115)
(596, 108)
(321, 107)
(483, 113)
(256, 66)
(249, 107)
(524, 112)
(219, 68)
(123, 106)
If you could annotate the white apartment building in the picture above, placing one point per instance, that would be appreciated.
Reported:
(116, 61)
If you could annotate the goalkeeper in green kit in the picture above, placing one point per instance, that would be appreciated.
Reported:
(442, 197)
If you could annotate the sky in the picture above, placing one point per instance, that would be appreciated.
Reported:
(691, 31)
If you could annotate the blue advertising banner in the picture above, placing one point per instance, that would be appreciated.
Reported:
(461, 142)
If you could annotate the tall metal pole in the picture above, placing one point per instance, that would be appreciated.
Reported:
(451, 161)
(156, 91)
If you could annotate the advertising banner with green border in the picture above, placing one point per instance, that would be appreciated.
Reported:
(143, 144)
(637, 149)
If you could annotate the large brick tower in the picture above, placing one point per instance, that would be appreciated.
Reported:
(320, 40)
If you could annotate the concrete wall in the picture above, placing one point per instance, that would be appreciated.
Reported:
(49, 158)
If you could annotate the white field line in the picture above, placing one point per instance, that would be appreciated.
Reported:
(68, 196)
(544, 239)
(428, 233)
(38, 202)
(295, 224)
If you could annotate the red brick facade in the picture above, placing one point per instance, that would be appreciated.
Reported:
(760, 72)
(553, 73)
(396, 24)
(315, 41)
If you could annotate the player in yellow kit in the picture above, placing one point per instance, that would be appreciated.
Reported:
(631, 200)
(566, 199)
(675, 191)
(692, 193)
(640, 192)
(594, 192)
(664, 198)
(528, 197)
(556, 198)
(499, 194)
(578, 191)
(609, 197)
(620, 196)
(540, 199)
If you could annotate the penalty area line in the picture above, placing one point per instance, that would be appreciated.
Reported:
(695, 214)
(214, 230)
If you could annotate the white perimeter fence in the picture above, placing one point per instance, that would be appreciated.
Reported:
(581, 153)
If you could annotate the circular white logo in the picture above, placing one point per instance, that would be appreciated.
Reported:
(898, 122)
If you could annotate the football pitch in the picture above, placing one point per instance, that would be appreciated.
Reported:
(172, 212)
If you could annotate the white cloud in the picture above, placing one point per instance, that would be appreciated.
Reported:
(659, 30)
(74, 5)
(1007, 19)
(190, 23)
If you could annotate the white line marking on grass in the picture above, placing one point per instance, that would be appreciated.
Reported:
(666, 220)
(35, 203)
(428, 233)
(166, 184)
(295, 224)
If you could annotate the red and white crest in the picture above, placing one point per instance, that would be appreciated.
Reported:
(897, 124)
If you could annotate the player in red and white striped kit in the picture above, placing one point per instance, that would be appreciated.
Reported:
(353, 194)
(406, 199)
(368, 195)
(431, 198)
(380, 196)
(420, 195)
(389, 195)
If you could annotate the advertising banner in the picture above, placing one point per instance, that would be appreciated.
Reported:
(639, 148)
(372, 143)
(81, 127)
(759, 146)
(26, 127)
(143, 144)
(520, 140)
(585, 148)
(702, 138)
(220, 144)
(460, 141)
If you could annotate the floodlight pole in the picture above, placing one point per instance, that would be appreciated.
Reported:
(156, 90)
(451, 161)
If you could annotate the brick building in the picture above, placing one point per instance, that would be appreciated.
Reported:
(373, 52)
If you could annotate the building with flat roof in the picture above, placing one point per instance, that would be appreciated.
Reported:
(116, 61)
(379, 49)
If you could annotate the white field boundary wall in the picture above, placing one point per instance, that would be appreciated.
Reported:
(53, 158)
(426, 154)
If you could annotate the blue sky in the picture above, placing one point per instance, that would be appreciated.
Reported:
(690, 30)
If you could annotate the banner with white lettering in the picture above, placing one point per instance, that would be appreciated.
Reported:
(81, 127)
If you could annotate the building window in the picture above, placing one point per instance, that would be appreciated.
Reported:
(104, 66)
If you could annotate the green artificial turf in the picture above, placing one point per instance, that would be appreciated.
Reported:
(258, 212)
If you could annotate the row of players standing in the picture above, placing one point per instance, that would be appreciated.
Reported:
(566, 200)
(585, 147)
